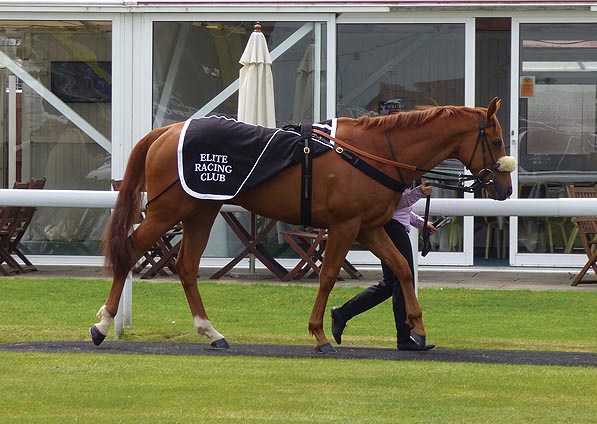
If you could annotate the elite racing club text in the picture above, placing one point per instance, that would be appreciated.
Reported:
(213, 167)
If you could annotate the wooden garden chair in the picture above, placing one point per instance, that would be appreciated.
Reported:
(586, 227)
(14, 221)
(22, 222)
(161, 255)
(310, 245)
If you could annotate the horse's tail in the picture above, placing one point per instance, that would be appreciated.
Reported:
(118, 250)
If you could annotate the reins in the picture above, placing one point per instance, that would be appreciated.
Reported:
(358, 151)
(448, 181)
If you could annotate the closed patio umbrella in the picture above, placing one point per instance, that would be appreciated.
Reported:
(256, 95)
(256, 89)
(303, 93)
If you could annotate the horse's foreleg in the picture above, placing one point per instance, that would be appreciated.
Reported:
(339, 241)
(196, 234)
(107, 312)
(142, 239)
(380, 244)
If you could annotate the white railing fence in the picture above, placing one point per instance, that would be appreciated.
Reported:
(456, 207)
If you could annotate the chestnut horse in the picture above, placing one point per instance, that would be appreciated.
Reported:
(350, 204)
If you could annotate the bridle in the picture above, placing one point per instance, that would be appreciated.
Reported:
(446, 180)
(484, 177)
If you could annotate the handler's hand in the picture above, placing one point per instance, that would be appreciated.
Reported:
(426, 188)
(432, 229)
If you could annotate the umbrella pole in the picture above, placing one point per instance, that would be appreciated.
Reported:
(253, 85)
(252, 259)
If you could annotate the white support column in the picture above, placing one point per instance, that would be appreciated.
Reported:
(331, 68)
(130, 82)
(128, 90)
(470, 40)
(142, 79)
(12, 130)
(514, 131)
(317, 74)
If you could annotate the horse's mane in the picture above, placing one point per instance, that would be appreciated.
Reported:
(410, 119)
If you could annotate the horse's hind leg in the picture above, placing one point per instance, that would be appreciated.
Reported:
(196, 234)
(150, 230)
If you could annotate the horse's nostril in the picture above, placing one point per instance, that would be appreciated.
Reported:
(509, 192)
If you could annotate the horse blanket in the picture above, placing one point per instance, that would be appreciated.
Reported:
(219, 157)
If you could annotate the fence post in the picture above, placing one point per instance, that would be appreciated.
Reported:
(124, 316)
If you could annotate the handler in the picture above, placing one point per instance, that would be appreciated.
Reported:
(398, 229)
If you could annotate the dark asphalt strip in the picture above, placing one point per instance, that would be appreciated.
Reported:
(514, 357)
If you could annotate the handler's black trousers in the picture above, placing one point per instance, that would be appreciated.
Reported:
(388, 287)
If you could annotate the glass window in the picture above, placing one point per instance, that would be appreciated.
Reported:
(195, 62)
(386, 68)
(60, 74)
(557, 124)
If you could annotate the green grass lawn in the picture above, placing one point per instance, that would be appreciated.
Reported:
(51, 388)
(63, 309)
(62, 388)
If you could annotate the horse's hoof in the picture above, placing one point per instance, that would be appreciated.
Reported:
(325, 348)
(220, 344)
(96, 335)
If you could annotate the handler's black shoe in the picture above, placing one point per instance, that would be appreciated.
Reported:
(338, 324)
(415, 342)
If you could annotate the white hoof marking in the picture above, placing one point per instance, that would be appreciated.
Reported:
(204, 328)
(105, 320)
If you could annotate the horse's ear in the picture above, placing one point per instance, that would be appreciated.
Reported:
(493, 107)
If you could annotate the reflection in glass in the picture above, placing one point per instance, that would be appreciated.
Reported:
(205, 61)
(407, 64)
(557, 125)
(63, 123)
(387, 68)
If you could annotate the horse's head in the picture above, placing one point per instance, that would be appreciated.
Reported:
(487, 152)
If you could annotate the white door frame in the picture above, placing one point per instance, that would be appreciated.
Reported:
(533, 259)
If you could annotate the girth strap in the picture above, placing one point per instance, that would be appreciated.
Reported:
(307, 174)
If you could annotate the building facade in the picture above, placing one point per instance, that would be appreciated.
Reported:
(82, 81)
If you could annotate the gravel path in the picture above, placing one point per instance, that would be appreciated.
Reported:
(514, 357)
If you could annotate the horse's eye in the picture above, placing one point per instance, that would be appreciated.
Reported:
(497, 142)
